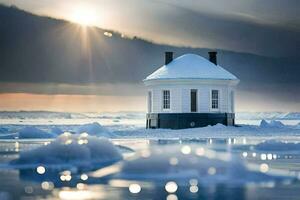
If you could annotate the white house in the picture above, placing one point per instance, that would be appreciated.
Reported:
(190, 91)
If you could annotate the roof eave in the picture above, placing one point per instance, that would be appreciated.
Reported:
(189, 80)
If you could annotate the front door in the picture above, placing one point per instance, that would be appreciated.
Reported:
(193, 100)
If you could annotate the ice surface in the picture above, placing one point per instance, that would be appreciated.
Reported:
(183, 163)
(73, 149)
(191, 66)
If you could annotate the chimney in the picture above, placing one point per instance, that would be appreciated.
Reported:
(168, 57)
(213, 57)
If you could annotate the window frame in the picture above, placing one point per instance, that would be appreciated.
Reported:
(214, 99)
(166, 101)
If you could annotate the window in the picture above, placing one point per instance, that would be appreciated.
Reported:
(193, 100)
(149, 101)
(215, 99)
(166, 99)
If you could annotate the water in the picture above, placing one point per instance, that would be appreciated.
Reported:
(29, 184)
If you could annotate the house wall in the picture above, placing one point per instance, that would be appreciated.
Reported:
(180, 98)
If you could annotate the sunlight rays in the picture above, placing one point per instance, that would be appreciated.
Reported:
(84, 15)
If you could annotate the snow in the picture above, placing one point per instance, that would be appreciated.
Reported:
(191, 66)
(217, 131)
(132, 125)
(68, 149)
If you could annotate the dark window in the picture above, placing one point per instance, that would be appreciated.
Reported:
(215, 99)
(166, 99)
(193, 100)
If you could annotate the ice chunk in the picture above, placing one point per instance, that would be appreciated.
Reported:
(264, 124)
(33, 132)
(275, 123)
(93, 129)
(183, 163)
(72, 149)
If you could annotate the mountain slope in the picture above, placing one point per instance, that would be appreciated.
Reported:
(41, 49)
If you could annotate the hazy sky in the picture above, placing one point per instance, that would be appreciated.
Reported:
(262, 27)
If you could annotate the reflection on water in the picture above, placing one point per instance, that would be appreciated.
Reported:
(177, 179)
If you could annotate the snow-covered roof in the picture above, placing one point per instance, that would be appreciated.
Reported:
(191, 66)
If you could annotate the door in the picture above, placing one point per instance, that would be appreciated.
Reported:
(193, 100)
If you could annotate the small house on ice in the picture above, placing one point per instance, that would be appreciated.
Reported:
(190, 91)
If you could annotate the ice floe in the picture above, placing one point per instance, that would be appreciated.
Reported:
(72, 149)
(93, 129)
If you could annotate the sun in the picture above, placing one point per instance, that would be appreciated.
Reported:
(84, 15)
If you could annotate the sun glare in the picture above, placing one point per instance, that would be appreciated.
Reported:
(84, 15)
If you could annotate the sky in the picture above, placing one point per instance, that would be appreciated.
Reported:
(267, 28)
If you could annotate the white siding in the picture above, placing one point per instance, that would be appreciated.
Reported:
(180, 98)
(185, 100)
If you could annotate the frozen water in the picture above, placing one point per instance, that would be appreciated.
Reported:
(237, 150)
